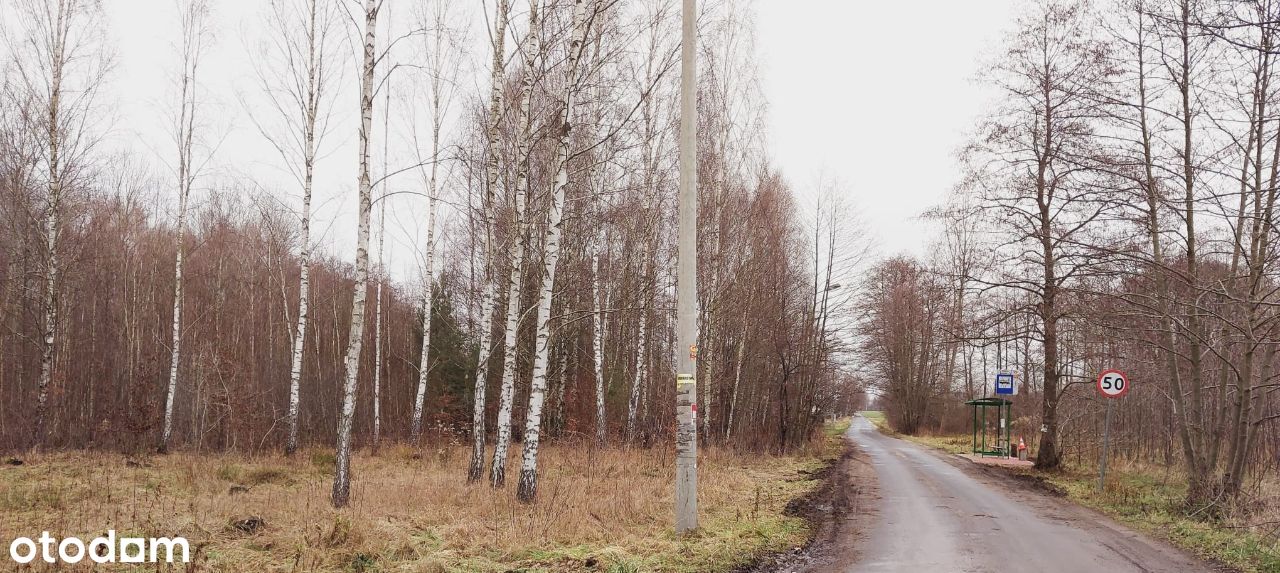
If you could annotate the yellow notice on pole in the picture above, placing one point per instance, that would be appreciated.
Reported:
(684, 379)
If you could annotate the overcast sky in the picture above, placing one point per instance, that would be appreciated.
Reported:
(877, 94)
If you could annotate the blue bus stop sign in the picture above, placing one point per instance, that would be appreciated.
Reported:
(1004, 383)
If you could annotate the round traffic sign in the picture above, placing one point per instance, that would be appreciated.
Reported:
(1113, 384)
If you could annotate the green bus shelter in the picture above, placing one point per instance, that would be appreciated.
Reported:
(1003, 431)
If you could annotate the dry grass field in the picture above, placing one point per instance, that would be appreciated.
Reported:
(605, 510)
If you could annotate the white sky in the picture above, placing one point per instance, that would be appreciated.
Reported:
(878, 94)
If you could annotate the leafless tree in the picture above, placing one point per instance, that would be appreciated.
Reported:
(196, 35)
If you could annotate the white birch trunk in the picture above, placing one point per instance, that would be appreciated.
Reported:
(428, 267)
(342, 475)
(424, 364)
(377, 332)
(50, 302)
(53, 209)
(633, 405)
(381, 268)
(309, 88)
(498, 470)
(597, 351)
(186, 125)
(527, 489)
(476, 467)
(737, 380)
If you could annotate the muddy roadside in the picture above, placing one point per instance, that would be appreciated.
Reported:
(841, 511)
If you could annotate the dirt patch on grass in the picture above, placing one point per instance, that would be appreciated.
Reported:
(840, 512)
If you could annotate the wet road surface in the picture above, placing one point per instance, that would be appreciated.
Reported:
(936, 517)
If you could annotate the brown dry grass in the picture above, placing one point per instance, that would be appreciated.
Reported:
(410, 512)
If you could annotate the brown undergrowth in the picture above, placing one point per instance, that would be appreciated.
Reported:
(599, 509)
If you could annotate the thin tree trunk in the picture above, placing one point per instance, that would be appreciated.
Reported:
(737, 381)
(637, 383)
(53, 209)
(381, 270)
(342, 475)
(476, 467)
(597, 351)
(527, 489)
(424, 365)
(186, 125)
(530, 48)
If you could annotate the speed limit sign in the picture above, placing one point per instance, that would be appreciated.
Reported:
(1113, 384)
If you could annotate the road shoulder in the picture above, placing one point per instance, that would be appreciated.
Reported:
(841, 511)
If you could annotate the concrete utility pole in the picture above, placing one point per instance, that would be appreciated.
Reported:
(687, 282)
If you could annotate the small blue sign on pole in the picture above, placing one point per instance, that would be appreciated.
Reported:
(1004, 383)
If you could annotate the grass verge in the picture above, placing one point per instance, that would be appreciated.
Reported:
(1148, 499)
(599, 510)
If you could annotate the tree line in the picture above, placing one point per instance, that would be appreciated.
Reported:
(148, 303)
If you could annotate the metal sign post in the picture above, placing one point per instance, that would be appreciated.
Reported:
(1106, 442)
(1111, 384)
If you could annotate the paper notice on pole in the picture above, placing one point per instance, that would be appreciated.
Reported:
(684, 379)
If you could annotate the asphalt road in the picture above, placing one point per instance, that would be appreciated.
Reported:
(935, 515)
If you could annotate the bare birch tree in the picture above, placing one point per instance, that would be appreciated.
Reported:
(476, 468)
(530, 49)
(194, 16)
(342, 474)
(578, 27)
(59, 64)
(295, 78)
(442, 60)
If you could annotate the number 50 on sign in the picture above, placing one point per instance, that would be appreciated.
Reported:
(1113, 384)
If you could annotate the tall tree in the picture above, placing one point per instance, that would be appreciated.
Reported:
(1037, 150)
(342, 475)
(583, 12)
(295, 78)
(484, 352)
(59, 64)
(530, 49)
(194, 15)
(442, 62)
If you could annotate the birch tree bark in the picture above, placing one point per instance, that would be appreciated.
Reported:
(342, 475)
(527, 489)
(530, 49)
(436, 64)
(597, 350)
(193, 14)
(642, 339)
(476, 468)
(298, 55)
(58, 67)
(381, 270)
